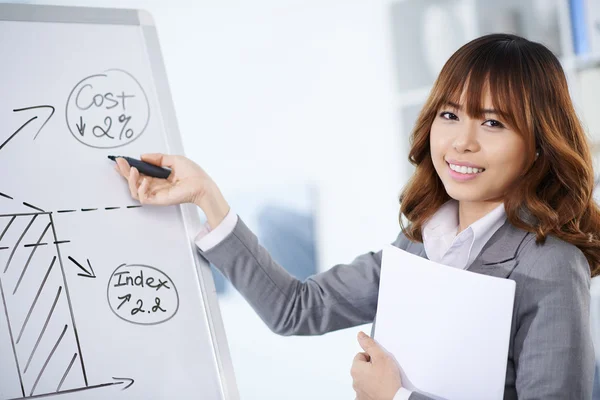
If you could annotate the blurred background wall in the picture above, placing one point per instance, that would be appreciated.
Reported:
(301, 112)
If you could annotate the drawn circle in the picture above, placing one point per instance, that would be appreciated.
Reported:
(142, 295)
(107, 110)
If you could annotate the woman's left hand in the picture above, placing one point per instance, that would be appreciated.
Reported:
(375, 372)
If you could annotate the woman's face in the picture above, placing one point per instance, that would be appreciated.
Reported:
(476, 159)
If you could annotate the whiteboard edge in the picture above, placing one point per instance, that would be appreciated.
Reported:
(67, 14)
(145, 18)
(191, 218)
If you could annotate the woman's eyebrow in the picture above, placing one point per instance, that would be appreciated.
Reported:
(459, 108)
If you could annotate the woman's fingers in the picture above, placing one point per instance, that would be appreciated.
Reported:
(145, 189)
(142, 191)
(162, 160)
(362, 357)
(123, 166)
(134, 175)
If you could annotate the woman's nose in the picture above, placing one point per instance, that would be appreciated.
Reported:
(466, 138)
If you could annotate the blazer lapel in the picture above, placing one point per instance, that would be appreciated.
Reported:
(417, 248)
(498, 256)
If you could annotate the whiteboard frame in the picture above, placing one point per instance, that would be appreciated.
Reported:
(190, 217)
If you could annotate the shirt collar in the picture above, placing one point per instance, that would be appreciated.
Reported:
(440, 232)
(443, 221)
(483, 230)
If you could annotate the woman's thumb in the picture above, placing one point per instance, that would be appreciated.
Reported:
(369, 345)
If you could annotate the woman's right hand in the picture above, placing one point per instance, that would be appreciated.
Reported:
(187, 183)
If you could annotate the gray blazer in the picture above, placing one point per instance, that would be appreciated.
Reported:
(550, 355)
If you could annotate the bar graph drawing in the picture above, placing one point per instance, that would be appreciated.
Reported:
(46, 355)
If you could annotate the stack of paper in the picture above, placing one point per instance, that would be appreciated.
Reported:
(448, 328)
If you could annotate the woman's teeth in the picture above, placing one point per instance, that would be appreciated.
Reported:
(465, 170)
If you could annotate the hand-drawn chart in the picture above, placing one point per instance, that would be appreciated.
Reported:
(100, 298)
(49, 322)
(50, 319)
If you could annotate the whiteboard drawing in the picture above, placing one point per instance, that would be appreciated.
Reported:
(48, 317)
(142, 294)
(104, 103)
(43, 334)
(100, 297)
(27, 123)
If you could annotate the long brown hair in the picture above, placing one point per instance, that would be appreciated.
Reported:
(529, 90)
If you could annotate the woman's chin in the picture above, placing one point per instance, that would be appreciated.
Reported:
(462, 193)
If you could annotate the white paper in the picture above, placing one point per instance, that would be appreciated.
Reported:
(448, 328)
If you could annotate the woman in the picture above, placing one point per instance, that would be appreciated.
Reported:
(503, 186)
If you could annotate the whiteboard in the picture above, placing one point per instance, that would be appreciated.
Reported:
(101, 298)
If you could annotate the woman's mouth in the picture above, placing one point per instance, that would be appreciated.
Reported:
(463, 173)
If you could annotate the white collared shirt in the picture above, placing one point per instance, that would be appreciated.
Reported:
(440, 239)
(443, 245)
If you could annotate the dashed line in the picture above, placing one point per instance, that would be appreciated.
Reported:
(96, 209)
(4, 248)
(35, 244)
(5, 195)
(62, 241)
(60, 211)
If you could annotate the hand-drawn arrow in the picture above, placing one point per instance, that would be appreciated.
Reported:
(125, 299)
(27, 123)
(80, 126)
(87, 274)
(121, 381)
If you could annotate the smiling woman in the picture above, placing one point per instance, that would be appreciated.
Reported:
(501, 104)
(502, 187)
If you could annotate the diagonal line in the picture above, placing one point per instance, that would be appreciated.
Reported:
(79, 265)
(90, 265)
(43, 329)
(5, 195)
(66, 372)
(32, 206)
(19, 241)
(29, 259)
(44, 124)
(7, 226)
(12, 341)
(15, 134)
(48, 359)
(35, 300)
(69, 303)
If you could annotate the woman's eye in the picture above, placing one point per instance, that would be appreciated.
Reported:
(492, 123)
(448, 115)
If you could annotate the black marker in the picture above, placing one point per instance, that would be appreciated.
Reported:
(145, 168)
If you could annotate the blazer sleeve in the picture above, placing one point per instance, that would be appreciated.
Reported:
(341, 297)
(553, 350)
